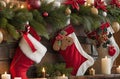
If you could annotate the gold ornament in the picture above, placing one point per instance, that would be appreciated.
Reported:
(1, 36)
(94, 10)
(116, 26)
(67, 11)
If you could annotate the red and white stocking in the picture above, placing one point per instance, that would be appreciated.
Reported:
(113, 48)
(72, 51)
(105, 44)
(30, 50)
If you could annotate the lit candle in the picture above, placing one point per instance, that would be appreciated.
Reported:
(62, 77)
(43, 72)
(5, 76)
(106, 65)
(22, 6)
(92, 71)
(118, 69)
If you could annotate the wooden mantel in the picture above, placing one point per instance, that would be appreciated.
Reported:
(98, 76)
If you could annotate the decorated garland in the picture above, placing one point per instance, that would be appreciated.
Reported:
(43, 16)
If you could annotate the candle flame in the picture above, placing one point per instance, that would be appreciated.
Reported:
(22, 6)
(119, 66)
(5, 72)
(92, 69)
(63, 75)
(105, 57)
(43, 70)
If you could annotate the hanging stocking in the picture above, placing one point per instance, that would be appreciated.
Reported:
(113, 49)
(105, 44)
(30, 50)
(69, 47)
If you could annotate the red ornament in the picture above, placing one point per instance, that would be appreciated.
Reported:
(33, 4)
(45, 14)
(74, 3)
(111, 50)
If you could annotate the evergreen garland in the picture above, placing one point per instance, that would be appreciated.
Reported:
(12, 20)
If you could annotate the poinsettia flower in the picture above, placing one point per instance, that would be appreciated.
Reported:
(115, 2)
(99, 4)
(75, 3)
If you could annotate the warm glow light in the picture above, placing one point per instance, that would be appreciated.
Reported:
(63, 75)
(22, 6)
(5, 72)
(43, 70)
(105, 57)
(118, 66)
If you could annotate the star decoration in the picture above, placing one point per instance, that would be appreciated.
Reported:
(75, 3)
(99, 4)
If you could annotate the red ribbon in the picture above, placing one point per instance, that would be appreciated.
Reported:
(100, 5)
(30, 30)
(29, 42)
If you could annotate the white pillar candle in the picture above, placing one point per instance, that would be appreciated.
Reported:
(118, 69)
(106, 65)
(62, 77)
(5, 76)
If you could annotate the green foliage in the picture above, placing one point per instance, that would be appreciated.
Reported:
(113, 13)
(3, 22)
(39, 28)
(85, 18)
(56, 19)
(56, 16)
(12, 31)
(57, 69)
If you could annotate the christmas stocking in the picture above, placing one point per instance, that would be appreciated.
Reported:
(113, 48)
(105, 44)
(69, 47)
(30, 50)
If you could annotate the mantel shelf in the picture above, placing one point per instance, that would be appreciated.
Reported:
(97, 76)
